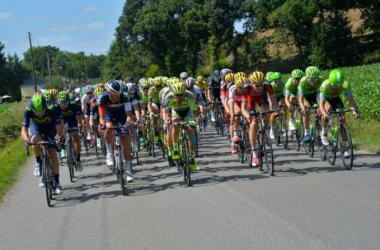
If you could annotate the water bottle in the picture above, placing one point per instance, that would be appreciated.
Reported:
(334, 131)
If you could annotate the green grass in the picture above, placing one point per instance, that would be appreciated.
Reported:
(365, 135)
(12, 160)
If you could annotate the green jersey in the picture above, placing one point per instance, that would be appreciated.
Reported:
(290, 87)
(278, 90)
(328, 92)
(153, 95)
(163, 93)
(305, 88)
(189, 101)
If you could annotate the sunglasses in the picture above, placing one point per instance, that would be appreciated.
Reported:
(115, 94)
(181, 95)
(39, 113)
(88, 93)
(258, 85)
(145, 88)
(297, 79)
(335, 86)
(64, 104)
(277, 81)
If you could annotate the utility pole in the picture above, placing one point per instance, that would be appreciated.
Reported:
(51, 80)
(31, 52)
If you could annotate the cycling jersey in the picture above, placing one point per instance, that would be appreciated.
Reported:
(202, 85)
(234, 96)
(278, 90)
(290, 87)
(189, 101)
(328, 92)
(305, 88)
(113, 110)
(69, 114)
(252, 97)
(198, 94)
(153, 95)
(214, 88)
(162, 94)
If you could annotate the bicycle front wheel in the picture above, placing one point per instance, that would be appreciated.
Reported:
(186, 162)
(346, 149)
(268, 153)
(47, 181)
(70, 157)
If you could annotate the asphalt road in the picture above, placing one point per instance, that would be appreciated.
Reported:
(308, 204)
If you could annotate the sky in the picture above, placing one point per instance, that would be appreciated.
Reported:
(70, 25)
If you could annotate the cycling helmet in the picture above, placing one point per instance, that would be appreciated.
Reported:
(257, 77)
(189, 83)
(209, 79)
(216, 73)
(98, 91)
(38, 103)
(297, 73)
(101, 85)
(144, 84)
(240, 74)
(183, 75)
(88, 89)
(129, 79)
(276, 76)
(48, 96)
(200, 79)
(77, 90)
(54, 92)
(239, 82)
(229, 77)
(158, 81)
(312, 72)
(113, 86)
(178, 88)
(151, 82)
(224, 72)
(268, 76)
(336, 77)
(63, 97)
(131, 88)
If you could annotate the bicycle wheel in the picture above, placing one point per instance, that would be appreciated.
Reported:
(186, 162)
(96, 147)
(242, 143)
(259, 152)
(268, 152)
(217, 121)
(70, 162)
(347, 150)
(48, 181)
(277, 132)
(104, 147)
(151, 132)
(196, 143)
(222, 125)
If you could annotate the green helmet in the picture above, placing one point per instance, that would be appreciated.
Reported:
(336, 77)
(312, 72)
(48, 96)
(178, 88)
(38, 102)
(268, 76)
(297, 73)
(275, 76)
(63, 97)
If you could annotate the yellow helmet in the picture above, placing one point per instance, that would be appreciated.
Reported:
(240, 74)
(200, 79)
(239, 82)
(257, 77)
(178, 88)
(144, 84)
(229, 77)
(54, 92)
(101, 84)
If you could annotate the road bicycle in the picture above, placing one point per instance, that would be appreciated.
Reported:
(295, 135)
(243, 146)
(280, 130)
(183, 164)
(47, 172)
(70, 152)
(263, 143)
(219, 122)
(337, 130)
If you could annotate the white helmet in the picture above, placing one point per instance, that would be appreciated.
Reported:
(183, 75)
(77, 90)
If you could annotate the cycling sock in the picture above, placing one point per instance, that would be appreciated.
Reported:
(63, 146)
(192, 138)
(306, 131)
(109, 148)
(175, 146)
(170, 151)
(128, 165)
(56, 178)
(39, 160)
(254, 152)
(324, 130)
(78, 157)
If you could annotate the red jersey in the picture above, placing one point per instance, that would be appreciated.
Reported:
(251, 96)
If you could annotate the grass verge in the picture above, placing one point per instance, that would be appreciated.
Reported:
(12, 160)
(365, 135)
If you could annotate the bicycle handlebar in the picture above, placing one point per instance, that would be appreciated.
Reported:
(185, 122)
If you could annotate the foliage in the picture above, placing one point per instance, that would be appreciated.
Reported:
(10, 121)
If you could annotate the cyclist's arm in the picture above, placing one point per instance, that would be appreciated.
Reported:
(322, 102)
(137, 111)
(24, 133)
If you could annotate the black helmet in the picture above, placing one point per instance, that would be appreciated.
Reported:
(129, 79)
(113, 86)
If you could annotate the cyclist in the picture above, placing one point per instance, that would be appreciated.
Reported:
(268, 79)
(234, 102)
(278, 90)
(202, 84)
(214, 91)
(128, 79)
(43, 120)
(71, 116)
(135, 99)
(183, 76)
(154, 104)
(307, 95)
(190, 86)
(115, 109)
(163, 93)
(86, 102)
(94, 115)
(180, 105)
(143, 107)
(227, 81)
(290, 90)
(329, 100)
(257, 93)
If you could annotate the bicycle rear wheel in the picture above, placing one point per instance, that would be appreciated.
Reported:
(268, 152)
(347, 150)
(283, 132)
(186, 162)
(70, 157)
(259, 152)
(196, 143)
(322, 152)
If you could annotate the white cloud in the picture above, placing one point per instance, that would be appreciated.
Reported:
(95, 25)
(5, 15)
(90, 9)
